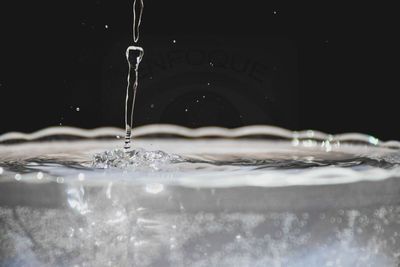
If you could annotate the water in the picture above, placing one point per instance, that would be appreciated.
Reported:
(267, 197)
(255, 196)
(134, 55)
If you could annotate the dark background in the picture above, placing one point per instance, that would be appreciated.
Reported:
(336, 70)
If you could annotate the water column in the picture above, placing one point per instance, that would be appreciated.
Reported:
(134, 55)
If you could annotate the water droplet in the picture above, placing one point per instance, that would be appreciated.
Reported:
(60, 180)
(40, 175)
(18, 177)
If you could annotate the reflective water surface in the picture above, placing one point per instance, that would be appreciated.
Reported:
(199, 202)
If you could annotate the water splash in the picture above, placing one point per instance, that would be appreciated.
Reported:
(134, 55)
(134, 159)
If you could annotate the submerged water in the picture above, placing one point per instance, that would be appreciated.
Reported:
(200, 202)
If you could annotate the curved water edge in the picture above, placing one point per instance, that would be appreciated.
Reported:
(261, 131)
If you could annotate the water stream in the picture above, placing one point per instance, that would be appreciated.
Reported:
(134, 55)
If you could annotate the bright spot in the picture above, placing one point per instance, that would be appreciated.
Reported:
(154, 188)
(373, 140)
(1, 170)
(310, 133)
(275, 12)
(18, 177)
(174, 41)
(106, 26)
(186, 110)
(152, 106)
(78, 109)
(60, 180)
(40, 175)
(81, 177)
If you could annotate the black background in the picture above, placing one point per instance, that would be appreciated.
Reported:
(53, 52)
